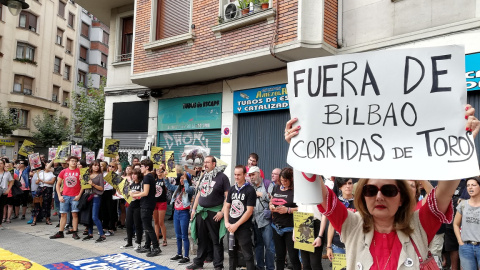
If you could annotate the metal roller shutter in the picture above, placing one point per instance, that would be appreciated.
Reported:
(176, 141)
(262, 133)
(131, 139)
(473, 98)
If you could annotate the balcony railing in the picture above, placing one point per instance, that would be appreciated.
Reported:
(124, 57)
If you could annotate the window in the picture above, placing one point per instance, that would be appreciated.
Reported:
(104, 61)
(56, 66)
(20, 117)
(59, 36)
(71, 19)
(55, 92)
(66, 99)
(28, 21)
(61, 9)
(82, 77)
(66, 74)
(25, 51)
(173, 18)
(22, 84)
(85, 29)
(105, 38)
(68, 48)
(83, 53)
(127, 39)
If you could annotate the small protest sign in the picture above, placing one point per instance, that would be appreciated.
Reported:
(390, 114)
(194, 155)
(62, 153)
(113, 179)
(26, 148)
(170, 168)
(111, 148)
(52, 153)
(76, 151)
(89, 157)
(303, 231)
(34, 160)
(85, 178)
(339, 261)
(100, 155)
(124, 189)
(156, 156)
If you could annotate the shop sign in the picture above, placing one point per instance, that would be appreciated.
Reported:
(261, 99)
(7, 142)
(196, 112)
(472, 71)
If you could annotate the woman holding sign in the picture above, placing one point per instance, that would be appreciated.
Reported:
(385, 233)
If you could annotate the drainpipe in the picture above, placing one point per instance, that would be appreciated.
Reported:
(340, 23)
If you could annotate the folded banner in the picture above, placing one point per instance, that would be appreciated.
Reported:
(26, 148)
(111, 148)
(395, 114)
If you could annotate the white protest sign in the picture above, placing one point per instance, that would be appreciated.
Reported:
(308, 188)
(393, 114)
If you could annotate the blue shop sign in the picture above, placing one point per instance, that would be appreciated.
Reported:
(261, 99)
(472, 71)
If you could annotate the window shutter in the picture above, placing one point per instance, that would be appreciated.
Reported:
(83, 53)
(85, 29)
(27, 83)
(173, 18)
(61, 9)
(32, 22)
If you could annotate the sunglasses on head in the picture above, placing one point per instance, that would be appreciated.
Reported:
(387, 190)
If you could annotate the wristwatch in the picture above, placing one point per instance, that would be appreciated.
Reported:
(320, 236)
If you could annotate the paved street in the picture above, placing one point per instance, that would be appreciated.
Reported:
(32, 242)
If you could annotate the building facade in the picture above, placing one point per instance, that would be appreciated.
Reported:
(190, 55)
(36, 63)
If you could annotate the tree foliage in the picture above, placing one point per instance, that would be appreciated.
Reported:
(51, 129)
(7, 123)
(89, 110)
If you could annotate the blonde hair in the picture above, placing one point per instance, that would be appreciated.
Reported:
(404, 213)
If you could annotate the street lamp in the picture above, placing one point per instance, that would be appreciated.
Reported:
(15, 6)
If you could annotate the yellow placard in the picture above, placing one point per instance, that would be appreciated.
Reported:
(226, 140)
(339, 262)
(84, 178)
(124, 189)
(9, 260)
(303, 227)
(111, 148)
(170, 162)
(62, 153)
(113, 179)
(156, 156)
(7, 142)
(26, 148)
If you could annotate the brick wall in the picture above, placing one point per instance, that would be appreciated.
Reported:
(206, 46)
(97, 45)
(101, 25)
(96, 69)
(330, 22)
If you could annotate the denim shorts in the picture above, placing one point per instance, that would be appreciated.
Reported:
(69, 205)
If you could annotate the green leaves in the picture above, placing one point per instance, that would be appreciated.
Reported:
(7, 123)
(89, 110)
(51, 129)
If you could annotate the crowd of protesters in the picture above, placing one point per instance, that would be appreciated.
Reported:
(254, 212)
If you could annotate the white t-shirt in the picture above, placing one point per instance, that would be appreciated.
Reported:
(45, 176)
(5, 179)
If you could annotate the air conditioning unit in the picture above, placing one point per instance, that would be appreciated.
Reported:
(27, 92)
(54, 97)
(231, 11)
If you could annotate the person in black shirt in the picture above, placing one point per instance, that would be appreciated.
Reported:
(133, 211)
(161, 204)
(147, 205)
(239, 207)
(207, 214)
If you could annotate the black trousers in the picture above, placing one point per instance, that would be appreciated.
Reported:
(150, 236)
(243, 243)
(134, 218)
(313, 261)
(208, 232)
(283, 244)
(3, 202)
(108, 211)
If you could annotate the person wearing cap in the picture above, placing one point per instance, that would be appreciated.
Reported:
(262, 218)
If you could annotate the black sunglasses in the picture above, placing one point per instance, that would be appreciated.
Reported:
(111, 166)
(387, 190)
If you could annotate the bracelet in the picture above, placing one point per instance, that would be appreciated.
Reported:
(329, 247)
(320, 236)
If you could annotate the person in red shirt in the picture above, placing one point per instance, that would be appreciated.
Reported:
(70, 179)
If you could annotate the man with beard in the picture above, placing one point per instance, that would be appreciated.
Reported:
(70, 178)
(264, 247)
(207, 214)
